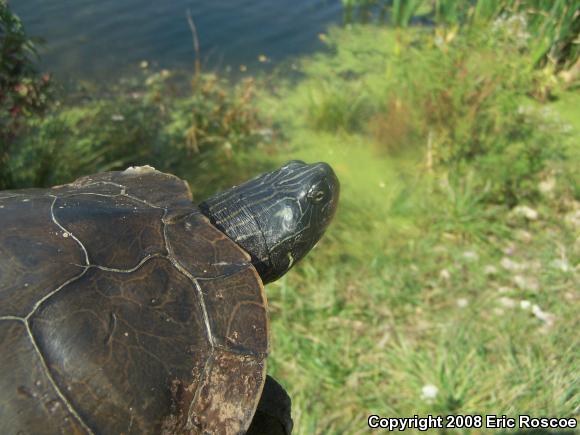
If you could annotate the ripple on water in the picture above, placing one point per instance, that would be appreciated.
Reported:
(97, 39)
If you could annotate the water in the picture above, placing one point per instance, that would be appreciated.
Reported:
(103, 39)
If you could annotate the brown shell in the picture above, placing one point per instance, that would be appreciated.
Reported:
(124, 311)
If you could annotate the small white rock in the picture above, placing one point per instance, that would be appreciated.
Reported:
(547, 186)
(462, 302)
(523, 236)
(490, 270)
(525, 211)
(525, 305)
(526, 283)
(445, 274)
(429, 392)
(544, 316)
(573, 218)
(471, 255)
(511, 265)
(507, 302)
(561, 264)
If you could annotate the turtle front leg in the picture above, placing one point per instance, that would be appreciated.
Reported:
(273, 415)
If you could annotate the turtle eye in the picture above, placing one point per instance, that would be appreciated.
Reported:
(317, 193)
(317, 196)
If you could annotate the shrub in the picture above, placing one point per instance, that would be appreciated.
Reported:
(211, 130)
(455, 95)
(23, 90)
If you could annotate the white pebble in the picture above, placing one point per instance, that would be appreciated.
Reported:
(563, 265)
(523, 236)
(471, 255)
(525, 211)
(573, 218)
(545, 317)
(498, 311)
(526, 283)
(429, 392)
(445, 274)
(490, 270)
(547, 186)
(509, 264)
(507, 302)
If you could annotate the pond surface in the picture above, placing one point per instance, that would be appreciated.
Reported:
(103, 39)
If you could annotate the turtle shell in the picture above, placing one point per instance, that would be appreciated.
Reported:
(123, 310)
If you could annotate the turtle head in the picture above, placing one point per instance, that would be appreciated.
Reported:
(279, 216)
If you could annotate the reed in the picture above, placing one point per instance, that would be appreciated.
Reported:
(553, 26)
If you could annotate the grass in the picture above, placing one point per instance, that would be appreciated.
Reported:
(431, 275)
(360, 331)
(362, 327)
(349, 341)
(552, 25)
(422, 279)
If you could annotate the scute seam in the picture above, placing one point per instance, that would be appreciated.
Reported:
(12, 318)
(181, 269)
(87, 261)
(242, 268)
(130, 270)
(86, 267)
(60, 394)
(52, 293)
(9, 196)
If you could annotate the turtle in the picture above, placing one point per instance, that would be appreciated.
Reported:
(125, 308)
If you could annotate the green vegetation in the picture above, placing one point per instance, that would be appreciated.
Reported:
(473, 116)
(551, 25)
(23, 90)
(449, 281)
(144, 123)
(437, 270)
